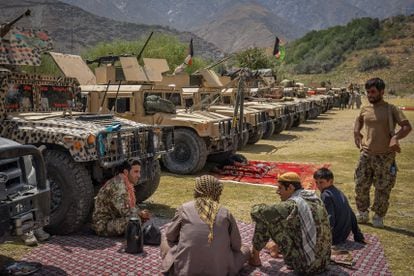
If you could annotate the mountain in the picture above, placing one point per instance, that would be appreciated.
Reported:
(247, 25)
(74, 29)
(210, 19)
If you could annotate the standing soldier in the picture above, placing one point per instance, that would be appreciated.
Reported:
(378, 148)
(115, 202)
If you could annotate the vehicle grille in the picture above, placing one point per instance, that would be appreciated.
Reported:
(12, 176)
(225, 127)
(114, 147)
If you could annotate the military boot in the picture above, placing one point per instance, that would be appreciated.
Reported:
(29, 239)
(377, 221)
(362, 217)
(41, 235)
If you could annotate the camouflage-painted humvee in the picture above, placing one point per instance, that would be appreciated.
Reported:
(197, 134)
(82, 149)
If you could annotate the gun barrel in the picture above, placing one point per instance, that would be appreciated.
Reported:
(145, 45)
(4, 29)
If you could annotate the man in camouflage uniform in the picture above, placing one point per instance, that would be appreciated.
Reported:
(378, 148)
(115, 202)
(298, 225)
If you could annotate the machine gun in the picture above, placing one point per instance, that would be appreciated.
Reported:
(5, 28)
(111, 59)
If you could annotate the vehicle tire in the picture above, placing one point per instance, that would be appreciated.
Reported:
(245, 140)
(145, 189)
(71, 192)
(189, 155)
(269, 129)
(296, 120)
(289, 121)
(280, 125)
(255, 136)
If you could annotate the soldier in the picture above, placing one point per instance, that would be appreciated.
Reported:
(115, 202)
(378, 149)
(298, 225)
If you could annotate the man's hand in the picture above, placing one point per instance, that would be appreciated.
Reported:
(255, 258)
(145, 215)
(394, 144)
(358, 139)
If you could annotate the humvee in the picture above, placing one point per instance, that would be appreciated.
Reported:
(82, 149)
(197, 134)
(24, 192)
(203, 91)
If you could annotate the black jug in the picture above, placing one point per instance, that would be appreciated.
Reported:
(134, 236)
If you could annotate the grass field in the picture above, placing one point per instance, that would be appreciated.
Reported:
(327, 139)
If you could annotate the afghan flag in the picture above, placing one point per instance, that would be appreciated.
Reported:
(189, 59)
(278, 50)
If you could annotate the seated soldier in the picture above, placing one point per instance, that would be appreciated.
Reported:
(298, 225)
(203, 238)
(341, 216)
(115, 202)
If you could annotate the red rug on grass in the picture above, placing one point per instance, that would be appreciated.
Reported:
(84, 254)
(265, 173)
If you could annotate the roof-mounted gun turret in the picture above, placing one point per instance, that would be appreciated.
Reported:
(5, 28)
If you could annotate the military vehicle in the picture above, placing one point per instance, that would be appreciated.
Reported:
(82, 149)
(203, 91)
(24, 192)
(138, 97)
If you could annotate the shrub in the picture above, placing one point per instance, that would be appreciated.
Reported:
(373, 62)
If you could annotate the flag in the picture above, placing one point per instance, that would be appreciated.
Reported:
(24, 47)
(189, 59)
(278, 50)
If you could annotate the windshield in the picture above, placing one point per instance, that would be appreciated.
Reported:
(19, 97)
(56, 97)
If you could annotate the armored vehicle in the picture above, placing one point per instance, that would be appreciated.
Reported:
(138, 97)
(82, 149)
(203, 91)
(24, 192)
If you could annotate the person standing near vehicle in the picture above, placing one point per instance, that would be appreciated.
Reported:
(378, 147)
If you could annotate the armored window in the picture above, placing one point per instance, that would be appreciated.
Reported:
(122, 104)
(55, 97)
(227, 99)
(175, 98)
(19, 97)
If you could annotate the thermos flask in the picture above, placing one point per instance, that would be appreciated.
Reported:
(134, 236)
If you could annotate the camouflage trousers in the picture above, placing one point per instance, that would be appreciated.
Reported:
(109, 228)
(379, 170)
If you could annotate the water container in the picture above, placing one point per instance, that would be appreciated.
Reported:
(134, 236)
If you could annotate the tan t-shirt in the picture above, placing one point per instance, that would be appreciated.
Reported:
(376, 129)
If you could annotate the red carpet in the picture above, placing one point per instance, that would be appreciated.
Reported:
(265, 173)
(91, 255)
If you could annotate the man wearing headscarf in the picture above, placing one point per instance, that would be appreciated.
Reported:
(203, 237)
(298, 225)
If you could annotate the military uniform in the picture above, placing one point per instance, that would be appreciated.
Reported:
(112, 208)
(281, 223)
(376, 164)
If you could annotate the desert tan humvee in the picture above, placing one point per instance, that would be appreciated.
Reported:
(197, 134)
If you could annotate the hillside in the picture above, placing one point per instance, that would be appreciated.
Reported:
(397, 45)
(210, 19)
(74, 29)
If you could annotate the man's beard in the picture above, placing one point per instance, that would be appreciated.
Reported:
(375, 100)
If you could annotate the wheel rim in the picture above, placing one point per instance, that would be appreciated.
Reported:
(181, 152)
(55, 195)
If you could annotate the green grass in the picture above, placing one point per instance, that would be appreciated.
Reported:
(327, 139)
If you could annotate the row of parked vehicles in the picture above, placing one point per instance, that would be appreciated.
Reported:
(86, 123)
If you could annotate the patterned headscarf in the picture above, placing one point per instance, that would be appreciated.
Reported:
(207, 192)
(130, 189)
